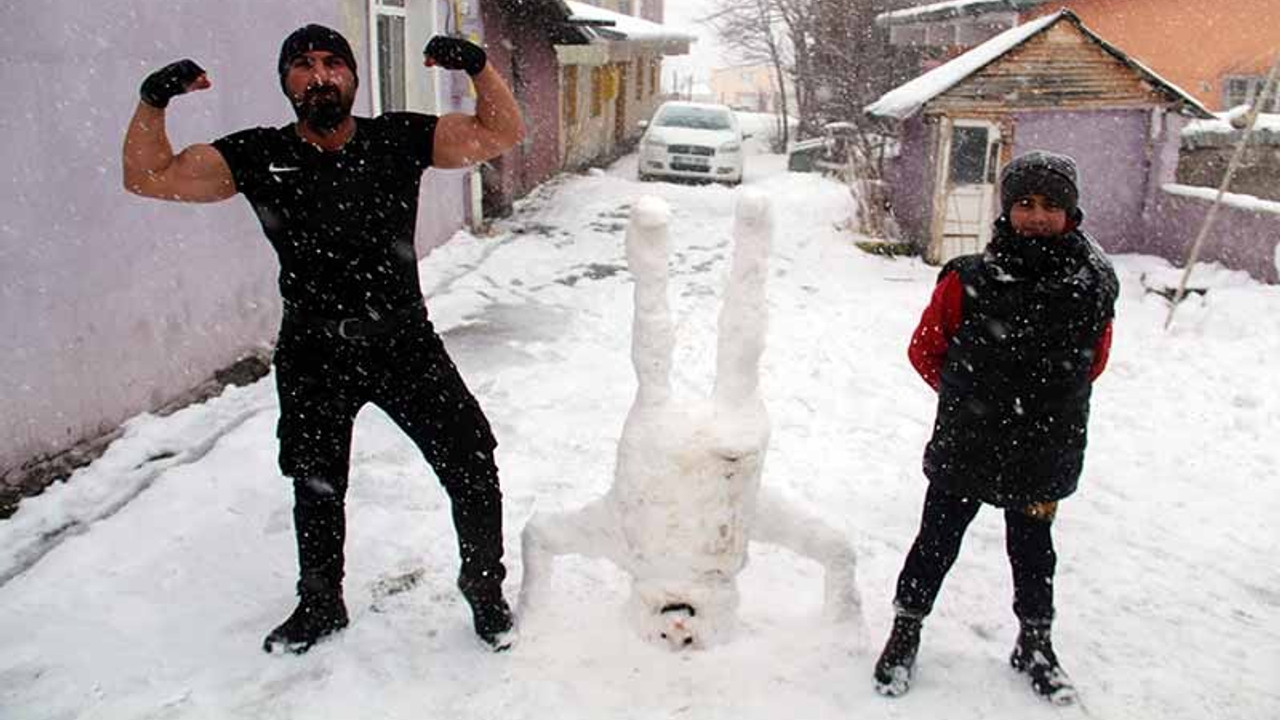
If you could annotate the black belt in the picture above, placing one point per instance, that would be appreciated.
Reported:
(354, 328)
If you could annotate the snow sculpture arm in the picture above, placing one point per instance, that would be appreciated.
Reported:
(779, 522)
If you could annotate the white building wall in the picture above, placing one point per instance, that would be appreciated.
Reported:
(112, 304)
(595, 137)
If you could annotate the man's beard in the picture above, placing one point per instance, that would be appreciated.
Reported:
(323, 108)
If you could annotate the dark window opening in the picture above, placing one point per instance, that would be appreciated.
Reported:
(968, 155)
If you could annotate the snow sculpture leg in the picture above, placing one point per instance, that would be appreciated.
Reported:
(680, 513)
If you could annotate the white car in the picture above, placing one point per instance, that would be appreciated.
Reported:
(692, 140)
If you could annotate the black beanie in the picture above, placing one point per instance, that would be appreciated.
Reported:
(314, 37)
(1041, 173)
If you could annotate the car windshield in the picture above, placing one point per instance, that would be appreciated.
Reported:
(694, 117)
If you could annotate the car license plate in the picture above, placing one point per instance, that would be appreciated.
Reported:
(694, 160)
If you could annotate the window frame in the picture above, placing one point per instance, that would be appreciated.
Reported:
(379, 9)
(1253, 87)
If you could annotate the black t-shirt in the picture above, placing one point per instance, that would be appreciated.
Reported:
(341, 222)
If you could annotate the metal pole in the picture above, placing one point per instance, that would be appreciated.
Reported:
(1251, 119)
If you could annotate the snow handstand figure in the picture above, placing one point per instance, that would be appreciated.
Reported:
(686, 496)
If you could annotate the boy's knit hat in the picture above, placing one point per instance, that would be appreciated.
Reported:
(314, 37)
(1041, 173)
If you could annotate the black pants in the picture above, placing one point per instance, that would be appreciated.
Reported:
(1028, 540)
(323, 380)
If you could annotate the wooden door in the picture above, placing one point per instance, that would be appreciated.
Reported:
(970, 163)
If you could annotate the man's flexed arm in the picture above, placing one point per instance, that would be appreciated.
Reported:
(151, 169)
(462, 140)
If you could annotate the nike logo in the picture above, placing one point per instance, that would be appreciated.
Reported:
(281, 168)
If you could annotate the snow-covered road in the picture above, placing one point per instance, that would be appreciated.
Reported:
(173, 554)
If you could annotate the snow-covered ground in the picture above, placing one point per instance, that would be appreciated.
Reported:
(152, 576)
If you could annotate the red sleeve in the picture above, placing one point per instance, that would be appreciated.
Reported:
(938, 325)
(1101, 352)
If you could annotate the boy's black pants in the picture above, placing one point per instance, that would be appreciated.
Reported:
(1028, 540)
(323, 379)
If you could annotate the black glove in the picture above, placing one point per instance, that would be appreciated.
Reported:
(455, 54)
(171, 80)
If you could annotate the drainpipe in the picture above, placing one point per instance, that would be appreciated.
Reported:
(475, 185)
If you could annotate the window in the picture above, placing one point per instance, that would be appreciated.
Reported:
(389, 92)
(909, 35)
(1244, 90)
(569, 95)
(639, 79)
(968, 155)
(697, 118)
(940, 35)
(653, 75)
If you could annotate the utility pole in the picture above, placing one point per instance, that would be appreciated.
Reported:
(1251, 119)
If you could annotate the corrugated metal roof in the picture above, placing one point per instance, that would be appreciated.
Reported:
(952, 9)
(625, 27)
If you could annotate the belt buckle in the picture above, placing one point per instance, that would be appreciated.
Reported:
(342, 329)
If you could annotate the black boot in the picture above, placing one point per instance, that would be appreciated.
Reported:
(490, 613)
(319, 518)
(477, 518)
(1033, 654)
(898, 660)
(318, 615)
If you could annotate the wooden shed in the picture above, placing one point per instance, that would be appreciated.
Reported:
(1050, 84)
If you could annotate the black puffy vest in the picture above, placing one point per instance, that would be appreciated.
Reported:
(1013, 404)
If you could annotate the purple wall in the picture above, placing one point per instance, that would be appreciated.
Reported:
(1241, 239)
(1110, 148)
(524, 55)
(910, 181)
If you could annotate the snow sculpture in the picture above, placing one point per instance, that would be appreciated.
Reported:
(686, 496)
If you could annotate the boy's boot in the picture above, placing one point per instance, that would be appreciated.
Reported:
(319, 519)
(1033, 654)
(898, 660)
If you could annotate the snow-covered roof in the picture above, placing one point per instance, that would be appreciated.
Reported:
(1222, 131)
(951, 9)
(1236, 200)
(626, 27)
(907, 99)
(1224, 122)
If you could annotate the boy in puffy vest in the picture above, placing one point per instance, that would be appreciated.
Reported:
(1012, 340)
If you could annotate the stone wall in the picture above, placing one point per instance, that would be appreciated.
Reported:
(1257, 175)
